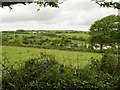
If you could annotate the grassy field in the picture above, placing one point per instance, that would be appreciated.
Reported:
(20, 54)
(86, 36)
(41, 36)
(78, 42)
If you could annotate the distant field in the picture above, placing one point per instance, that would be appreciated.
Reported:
(21, 54)
(83, 35)
(78, 42)
(41, 37)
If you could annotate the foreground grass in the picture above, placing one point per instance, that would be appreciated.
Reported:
(21, 54)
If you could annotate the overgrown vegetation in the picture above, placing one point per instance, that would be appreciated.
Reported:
(45, 73)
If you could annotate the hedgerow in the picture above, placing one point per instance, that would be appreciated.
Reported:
(45, 73)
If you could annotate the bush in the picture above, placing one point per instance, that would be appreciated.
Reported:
(107, 71)
(39, 73)
(44, 73)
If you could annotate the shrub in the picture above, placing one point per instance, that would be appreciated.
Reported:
(39, 73)
(44, 73)
(107, 71)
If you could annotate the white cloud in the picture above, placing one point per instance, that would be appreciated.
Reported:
(71, 15)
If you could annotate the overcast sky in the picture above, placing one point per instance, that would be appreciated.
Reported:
(71, 15)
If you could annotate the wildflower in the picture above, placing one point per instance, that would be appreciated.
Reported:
(6, 68)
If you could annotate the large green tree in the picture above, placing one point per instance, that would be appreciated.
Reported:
(105, 31)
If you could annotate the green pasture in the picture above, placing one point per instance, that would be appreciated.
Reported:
(78, 42)
(20, 54)
(83, 35)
